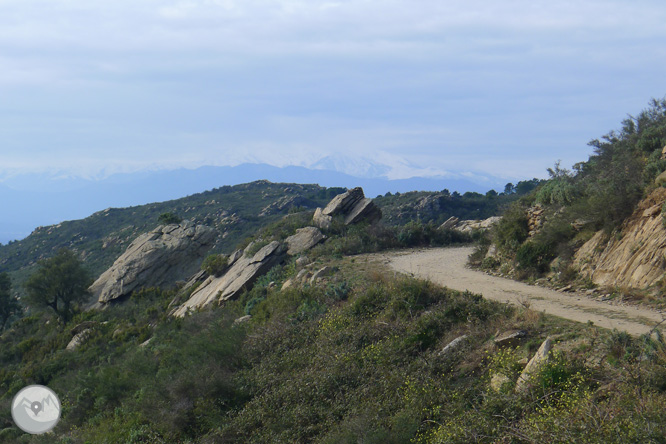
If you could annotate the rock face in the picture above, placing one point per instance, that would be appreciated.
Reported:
(158, 258)
(303, 240)
(467, 226)
(660, 179)
(353, 205)
(322, 273)
(450, 223)
(80, 334)
(285, 203)
(535, 219)
(634, 258)
(240, 276)
(344, 203)
(78, 339)
(321, 220)
(364, 210)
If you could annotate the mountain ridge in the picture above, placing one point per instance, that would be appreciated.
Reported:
(76, 198)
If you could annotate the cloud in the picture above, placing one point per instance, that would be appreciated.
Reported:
(425, 86)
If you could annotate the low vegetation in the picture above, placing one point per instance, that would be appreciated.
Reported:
(355, 359)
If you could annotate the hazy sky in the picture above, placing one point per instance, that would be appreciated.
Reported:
(421, 86)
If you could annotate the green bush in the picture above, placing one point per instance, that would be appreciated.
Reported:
(215, 264)
(512, 230)
(169, 218)
(534, 257)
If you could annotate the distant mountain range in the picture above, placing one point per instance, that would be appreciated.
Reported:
(33, 200)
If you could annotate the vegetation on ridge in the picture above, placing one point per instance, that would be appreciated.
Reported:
(598, 194)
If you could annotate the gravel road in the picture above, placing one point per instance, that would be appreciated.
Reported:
(447, 267)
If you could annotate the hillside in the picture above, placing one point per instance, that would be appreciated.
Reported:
(236, 213)
(323, 344)
(358, 356)
(46, 199)
(600, 226)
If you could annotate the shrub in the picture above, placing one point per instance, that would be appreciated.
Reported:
(215, 264)
(339, 291)
(534, 257)
(512, 230)
(169, 218)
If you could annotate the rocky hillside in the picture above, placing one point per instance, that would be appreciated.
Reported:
(601, 224)
(634, 255)
(437, 207)
(235, 213)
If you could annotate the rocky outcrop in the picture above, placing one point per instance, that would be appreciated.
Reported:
(452, 346)
(344, 203)
(352, 205)
(78, 340)
(303, 240)
(285, 203)
(511, 338)
(634, 257)
(533, 367)
(321, 274)
(155, 259)
(240, 276)
(80, 334)
(321, 220)
(364, 211)
(467, 226)
(535, 219)
(450, 223)
(660, 180)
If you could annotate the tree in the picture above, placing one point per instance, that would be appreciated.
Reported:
(9, 305)
(169, 218)
(60, 283)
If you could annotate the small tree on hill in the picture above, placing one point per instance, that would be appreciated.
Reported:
(9, 305)
(61, 283)
(169, 218)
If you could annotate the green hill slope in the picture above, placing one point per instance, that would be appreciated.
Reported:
(235, 212)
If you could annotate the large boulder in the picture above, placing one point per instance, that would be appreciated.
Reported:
(364, 210)
(303, 240)
(344, 203)
(321, 220)
(511, 338)
(450, 223)
(156, 259)
(240, 276)
(352, 205)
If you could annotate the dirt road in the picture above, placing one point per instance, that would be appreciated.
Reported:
(446, 266)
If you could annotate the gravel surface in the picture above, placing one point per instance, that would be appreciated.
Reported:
(447, 267)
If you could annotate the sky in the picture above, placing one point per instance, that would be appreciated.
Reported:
(398, 88)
